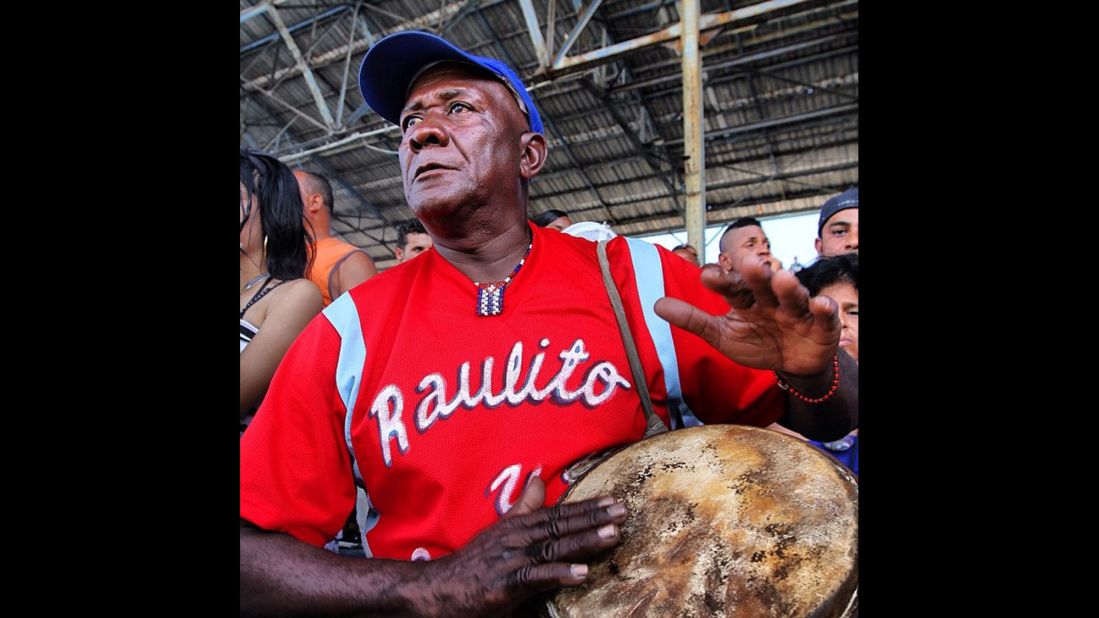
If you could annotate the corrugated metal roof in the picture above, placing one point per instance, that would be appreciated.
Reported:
(780, 99)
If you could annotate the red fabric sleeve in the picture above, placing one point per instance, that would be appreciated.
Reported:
(295, 469)
(715, 388)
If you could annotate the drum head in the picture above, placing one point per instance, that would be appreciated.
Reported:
(724, 520)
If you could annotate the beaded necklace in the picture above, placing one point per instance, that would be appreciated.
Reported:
(490, 296)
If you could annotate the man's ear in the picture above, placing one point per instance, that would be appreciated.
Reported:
(725, 262)
(819, 245)
(315, 203)
(397, 251)
(533, 155)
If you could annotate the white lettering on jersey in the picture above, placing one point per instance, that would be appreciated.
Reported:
(509, 476)
(435, 404)
(389, 421)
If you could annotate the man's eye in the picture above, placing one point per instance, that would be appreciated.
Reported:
(458, 107)
(409, 122)
(839, 232)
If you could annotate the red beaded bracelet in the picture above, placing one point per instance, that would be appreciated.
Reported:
(831, 391)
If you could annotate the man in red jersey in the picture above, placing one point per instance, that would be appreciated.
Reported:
(458, 387)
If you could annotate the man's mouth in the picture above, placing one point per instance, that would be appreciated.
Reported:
(427, 167)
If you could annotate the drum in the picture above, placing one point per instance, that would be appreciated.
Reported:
(724, 520)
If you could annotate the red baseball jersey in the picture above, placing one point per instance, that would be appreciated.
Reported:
(444, 415)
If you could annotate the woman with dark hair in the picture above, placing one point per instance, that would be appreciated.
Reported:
(553, 219)
(276, 302)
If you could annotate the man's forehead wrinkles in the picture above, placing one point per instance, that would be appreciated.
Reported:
(418, 103)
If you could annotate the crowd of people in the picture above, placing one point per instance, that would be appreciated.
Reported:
(437, 405)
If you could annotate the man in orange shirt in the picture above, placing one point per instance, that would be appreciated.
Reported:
(337, 266)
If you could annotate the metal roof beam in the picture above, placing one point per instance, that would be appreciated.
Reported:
(347, 66)
(720, 157)
(642, 150)
(291, 108)
(748, 60)
(360, 46)
(364, 203)
(763, 117)
(547, 120)
(814, 189)
(531, 18)
(256, 11)
(551, 26)
(694, 125)
(293, 28)
(712, 207)
(706, 22)
(811, 87)
(574, 34)
(725, 184)
(637, 10)
(310, 79)
(776, 122)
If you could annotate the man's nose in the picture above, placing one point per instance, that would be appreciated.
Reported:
(427, 131)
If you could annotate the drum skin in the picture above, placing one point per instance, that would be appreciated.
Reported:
(724, 520)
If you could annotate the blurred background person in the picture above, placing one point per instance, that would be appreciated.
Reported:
(276, 301)
(838, 229)
(553, 219)
(688, 253)
(412, 240)
(745, 240)
(337, 266)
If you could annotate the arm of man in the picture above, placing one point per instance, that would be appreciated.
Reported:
(530, 550)
(297, 484)
(831, 419)
(352, 270)
(292, 305)
(772, 324)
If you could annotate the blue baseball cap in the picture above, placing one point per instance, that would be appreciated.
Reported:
(843, 201)
(393, 64)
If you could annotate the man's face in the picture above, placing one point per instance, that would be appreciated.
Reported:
(847, 298)
(688, 253)
(744, 244)
(840, 234)
(415, 244)
(460, 143)
(560, 223)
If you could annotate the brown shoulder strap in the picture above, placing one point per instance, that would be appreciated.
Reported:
(655, 424)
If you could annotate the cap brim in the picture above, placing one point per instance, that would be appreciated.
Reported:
(388, 68)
